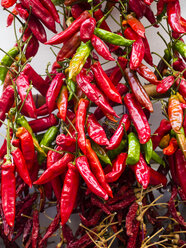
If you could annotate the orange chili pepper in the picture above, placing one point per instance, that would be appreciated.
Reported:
(164, 141)
(62, 103)
(171, 148)
(136, 25)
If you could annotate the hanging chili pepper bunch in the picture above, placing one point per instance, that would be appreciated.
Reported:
(69, 147)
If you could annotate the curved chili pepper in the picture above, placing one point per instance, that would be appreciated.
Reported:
(171, 148)
(87, 29)
(43, 110)
(138, 117)
(71, 30)
(55, 170)
(96, 131)
(101, 48)
(137, 8)
(89, 178)
(146, 73)
(8, 191)
(35, 229)
(51, 8)
(105, 84)
(21, 167)
(181, 139)
(133, 149)
(180, 46)
(40, 12)
(138, 90)
(157, 178)
(118, 166)
(136, 25)
(62, 102)
(147, 56)
(7, 3)
(123, 127)
(43, 123)
(142, 172)
(27, 146)
(175, 113)
(181, 84)
(130, 217)
(80, 123)
(33, 44)
(178, 65)
(157, 158)
(149, 14)
(100, 152)
(148, 149)
(181, 169)
(165, 84)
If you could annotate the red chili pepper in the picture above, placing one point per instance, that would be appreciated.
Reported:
(138, 90)
(3, 149)
(10, 17)
(133, 239)
(76, 10)
(43, 123)
(35, 229)
(147, 56)
(27, 146)
(53, 91)
(172, 166)
(70, 31)
(7, 3)
(175, 113)
(67, 143)
(179, 65)
(101, 48)
(43, 110)
(51, 9)
(62, 102)
(142, 172)
(87, 29)
(149, 14)
(146, 73)
(136, 25)
(173, 13)
(157, 178)
(180, 166)
(162, 130)
(8, 191)
(137, 7)
(105, 84)
(160, 6)
(116, 74)
(171, 148)
(89, 178)
(40, 12)
(138, 117)
(6, 102)
(116, 138)
(93, 93)
(165, 84)
(118, 167)
(96, 131)
(21, 166)
(32, 46)
(130, 217)
(181, 84)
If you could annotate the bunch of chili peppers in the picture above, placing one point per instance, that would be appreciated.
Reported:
(70, 147)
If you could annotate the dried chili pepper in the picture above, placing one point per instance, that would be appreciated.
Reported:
(180, 166)
(87, 29)
(44, 123)
(133, 149)
(130, 218)
(35, 229)
(132, 239)
(62, 102)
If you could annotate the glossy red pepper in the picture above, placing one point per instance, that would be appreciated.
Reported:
(33, 44)
(43, 110)
(165, 84)
(3, 149)
(70, 31)
(55, 170)
(171, 148)
(148, 2)
(180, 166)
(67, 143)
(10, 17)
(89, 178)
(101, 48)
(146, 73)
(116, 138)
(96, 131)
(118, 167)
(43, 123)
(53, 91)
(8, 191)
(138, 118)
(105, 84)
(62, 102)
(51, 9)
(157, 178)
(142, 172)
(136, 25)
(179, 65)
(7, 3)
(147, 56)
(181, 84)
(137, 8)
(87, 29)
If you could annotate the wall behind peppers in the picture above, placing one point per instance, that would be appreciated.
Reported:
(45, 55)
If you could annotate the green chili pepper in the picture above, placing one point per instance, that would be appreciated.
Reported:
(167, 54)
(133, 149)
(78, 60)
(148, 149)
(71, 86)
(112, 38)
(100, 152)
(47, 140)
(7, 61)
(115, 152)
(157, 158)
(39, 137)
(24, 123)
(180, 46)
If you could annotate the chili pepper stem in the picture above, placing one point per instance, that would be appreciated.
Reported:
(51, 149)
(104, 17)
(165, 62)
(8, 140)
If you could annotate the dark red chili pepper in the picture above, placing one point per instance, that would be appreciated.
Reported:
(66, 143)
(3, 149)
(157, 178)
(162, 130)
(76, 10)
(136, 25)
(96, 131)
(93, 93)
(56, 169)
(116, 74)
(35, 229)
(32, 46)
(62, 102)
(122, 204)
(22, 83)
(118, 167)
(173, 13)
(150, 16)
(89, 178)
(87, 29)
(181, 84)
(137, 8)
(180, 165)
(6, 102)
(70, 31)
(26, 231)
(21, 166)
(123, 127)
(172, 166)
(69, 192)
(51, 9)
(43, 123)
(142, 172)
(165, 84)
(130, 217)
(179, 65)
(40, 12)
(80, 123)
(133, 239)
(53, 91)
(138, 90)
(43, 110)
(8, 191)
(98, 203)
(146, 73)
(171, 148)
(147, 56)
(105, 84)
(93, 220)
(160, 7)
(138, 117)
(101, 48)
